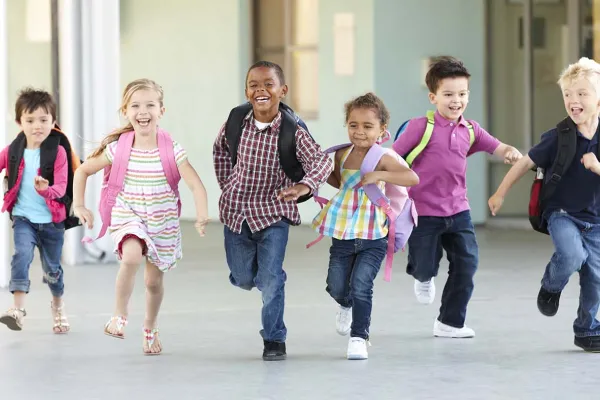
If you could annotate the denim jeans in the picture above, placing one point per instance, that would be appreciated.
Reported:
(576, 249)
(49, 240)
(353, 266)
(456, 235)
(256, 260)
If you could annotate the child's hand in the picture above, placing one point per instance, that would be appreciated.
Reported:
(495, 203)
(200, 225)
(512, 155)
(85, 216)
(40, 183)
(369, 178)
(590, 161)
(293, 193)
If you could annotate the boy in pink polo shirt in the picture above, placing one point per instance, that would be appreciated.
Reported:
(441, 196)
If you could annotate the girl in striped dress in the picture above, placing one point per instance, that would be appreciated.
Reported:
(144, 220)
(358, 227)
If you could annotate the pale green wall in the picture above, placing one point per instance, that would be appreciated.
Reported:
(408, 31)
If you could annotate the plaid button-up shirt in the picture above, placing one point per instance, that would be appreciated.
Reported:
(250, 188)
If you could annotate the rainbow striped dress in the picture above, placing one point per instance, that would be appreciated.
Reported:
(350, 214)
(147, 207)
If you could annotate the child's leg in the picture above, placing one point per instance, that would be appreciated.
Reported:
(342, 254)
(51, 240)
(463, 254)
(25, 240)
(240, 250)
(270, 279)
(132, 253)
(153, 277)
(366, 266)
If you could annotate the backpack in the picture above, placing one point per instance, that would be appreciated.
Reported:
(286, 145)
(543, 187)
(48, 152)
(410, 157)
(397, 205)
(114, 175)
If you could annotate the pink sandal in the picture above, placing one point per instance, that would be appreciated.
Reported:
(120, 325)
(150, 335)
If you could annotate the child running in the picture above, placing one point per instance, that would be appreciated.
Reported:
(358, 227)
(144, 221)
(36, 200)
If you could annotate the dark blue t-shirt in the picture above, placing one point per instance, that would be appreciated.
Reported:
(578, 192)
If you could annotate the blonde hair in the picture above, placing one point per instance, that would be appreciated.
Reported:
(130, 89)
(586, 69)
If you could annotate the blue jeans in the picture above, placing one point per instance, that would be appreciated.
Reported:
(49, 240)
(577, 249)
(456, 235)
(256, 260)
(353, 266)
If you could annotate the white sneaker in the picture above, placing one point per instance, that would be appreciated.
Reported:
(425, 291)
(447, 331)
(343, 320)
(357, 349)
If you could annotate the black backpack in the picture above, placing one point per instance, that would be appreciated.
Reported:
(544, 187)
(48, 152)
(287, 139)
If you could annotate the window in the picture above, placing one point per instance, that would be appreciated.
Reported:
(286, 32)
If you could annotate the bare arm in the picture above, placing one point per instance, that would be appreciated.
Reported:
(335, 178)
(514, 174)
(87, 169)
(509, 154)
(391, 171)
(194, 183)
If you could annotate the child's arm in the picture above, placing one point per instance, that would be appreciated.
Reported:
(222, 158)
(590, 162)
(486, 142)
(191, 178)
(316, 164)
(335, 178)
(4, 159)
(88, 168)
(517, 171)
(61, 178)
(391, 171)
(509, 153)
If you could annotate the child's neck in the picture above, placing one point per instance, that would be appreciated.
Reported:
(33, 146)
(142, 142)
(266, 116)
(589, 127)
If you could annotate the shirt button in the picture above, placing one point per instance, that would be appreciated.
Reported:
(451, 123)
(454, 135)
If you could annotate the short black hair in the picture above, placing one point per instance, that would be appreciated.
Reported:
(31, 99)
(271, 65)
(444, 67)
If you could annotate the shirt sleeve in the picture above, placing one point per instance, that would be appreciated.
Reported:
(316, 164)
(61, 177)
(483, 140)
(222, 158)
(543, 153)
(411, 137)
(109, 151)
(180, 153)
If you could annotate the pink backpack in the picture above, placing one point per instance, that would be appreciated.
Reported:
(398, 206)
(114, 175)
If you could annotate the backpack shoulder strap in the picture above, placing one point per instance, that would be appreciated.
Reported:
(566, 149)
(374, 155)
(287, 147)
(424, 139)
(48, 153)
(233, 128)
(471, 133)
(119, 166)
(167, 157)
(15, 155)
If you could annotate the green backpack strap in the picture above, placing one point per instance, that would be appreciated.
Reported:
(427, 137)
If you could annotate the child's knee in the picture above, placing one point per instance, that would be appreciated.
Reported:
(131, 250)
(154, 283)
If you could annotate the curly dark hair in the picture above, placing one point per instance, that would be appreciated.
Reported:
(444, 67)
(370, 101)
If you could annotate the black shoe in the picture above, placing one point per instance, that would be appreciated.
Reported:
(547, 302)
(274, 351)
(588, 343)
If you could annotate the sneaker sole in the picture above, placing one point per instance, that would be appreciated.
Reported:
(275, 358)
(357, 357)
(587, 350)
(11, 323)
(446, 336)
(344, 333)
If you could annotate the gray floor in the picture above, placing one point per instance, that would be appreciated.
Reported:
(212, 348)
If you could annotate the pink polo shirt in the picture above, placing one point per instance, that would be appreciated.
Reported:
(442, 166)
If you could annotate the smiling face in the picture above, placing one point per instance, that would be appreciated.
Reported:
(36, 126)
(581, 100)
(364, 127)
(144, 110)
(451, 97)
(264, 91)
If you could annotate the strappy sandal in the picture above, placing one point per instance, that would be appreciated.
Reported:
(150, 336)
(13, 318)
(120, 325)
(61, 323)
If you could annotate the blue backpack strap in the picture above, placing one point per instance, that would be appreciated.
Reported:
(401, 129)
